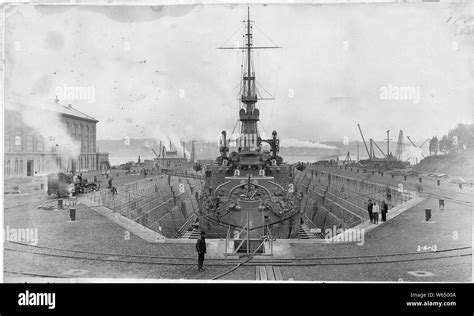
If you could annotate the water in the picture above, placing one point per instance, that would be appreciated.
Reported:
(117, 160)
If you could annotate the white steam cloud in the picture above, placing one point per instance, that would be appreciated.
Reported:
(292, 142)
(46, 121)
(412, 154)
(165, 138)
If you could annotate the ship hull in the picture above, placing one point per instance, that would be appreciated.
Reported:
(261, 223)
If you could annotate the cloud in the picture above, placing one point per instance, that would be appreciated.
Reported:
(334, 59)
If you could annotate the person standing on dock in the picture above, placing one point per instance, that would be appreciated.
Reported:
(384, 211)
(375, 213)
(369, 209)
(201, 250)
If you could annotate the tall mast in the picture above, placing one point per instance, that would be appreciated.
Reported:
(248, 51)
(249, 115)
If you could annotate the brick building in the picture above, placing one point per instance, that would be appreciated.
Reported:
(26, 152)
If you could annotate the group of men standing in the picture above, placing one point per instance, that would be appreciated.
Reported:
(374, 211)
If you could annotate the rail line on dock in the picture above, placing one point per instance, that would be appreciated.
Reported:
(186, 261)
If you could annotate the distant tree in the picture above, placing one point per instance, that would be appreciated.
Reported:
(434, 145)
(445, 145)
(465, 135)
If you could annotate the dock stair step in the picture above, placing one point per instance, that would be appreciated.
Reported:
(268, 273)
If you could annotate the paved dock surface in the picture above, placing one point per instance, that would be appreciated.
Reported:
(95, 247)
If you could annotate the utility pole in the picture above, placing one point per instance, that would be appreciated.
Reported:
(388, 142)
(163, 155)
(358, 152)
(193, 152)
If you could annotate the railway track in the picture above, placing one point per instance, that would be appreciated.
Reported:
(252, 261)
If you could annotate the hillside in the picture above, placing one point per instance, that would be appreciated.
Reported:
(458, 164)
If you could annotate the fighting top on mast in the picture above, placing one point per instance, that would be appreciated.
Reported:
(249, 115)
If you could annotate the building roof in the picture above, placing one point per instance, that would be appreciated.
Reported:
(69, 110)
(17, 103)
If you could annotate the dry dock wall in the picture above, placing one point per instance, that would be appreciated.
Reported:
(160, 203)
(334, 200)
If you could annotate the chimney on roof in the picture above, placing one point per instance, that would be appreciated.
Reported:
(56, 100)
(70, 106)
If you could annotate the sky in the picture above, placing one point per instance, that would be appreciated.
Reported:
(155, 72)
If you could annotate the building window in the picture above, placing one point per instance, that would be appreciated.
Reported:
(16, 166)
(92, 138)
(73, 131)
(29, 143)
(18, 142)
(86, 135)
(8, 125)
(8, 167)
(40, 144)
(21, 166)
(7, 141)
(16, 120)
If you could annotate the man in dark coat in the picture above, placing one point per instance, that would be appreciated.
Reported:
(384, 211)
(201, 250)
(369, 209)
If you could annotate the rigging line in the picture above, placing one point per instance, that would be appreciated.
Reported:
(241, 71)
(273, 98)
(240, 27)
(237, 85)
(276, 89)
(257, 92)
(263, 88)
(255, 24)
(263, 126)
(234, 130)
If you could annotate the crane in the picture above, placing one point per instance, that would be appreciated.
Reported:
(412, 142)
(400, 146)
(365, 144)
(157, 156)
(420, 147)
(373, 142)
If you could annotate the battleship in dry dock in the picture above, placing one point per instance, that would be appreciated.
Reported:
(250, 190)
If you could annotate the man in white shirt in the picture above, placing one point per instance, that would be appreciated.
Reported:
(375, 213)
